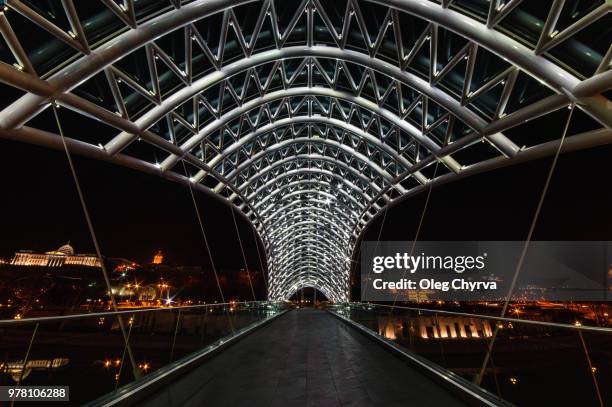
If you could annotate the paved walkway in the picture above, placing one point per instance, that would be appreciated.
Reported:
(304, 358)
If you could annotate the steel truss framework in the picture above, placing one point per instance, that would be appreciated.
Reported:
(309, 116)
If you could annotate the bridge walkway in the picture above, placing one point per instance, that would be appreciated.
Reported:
(306, 357)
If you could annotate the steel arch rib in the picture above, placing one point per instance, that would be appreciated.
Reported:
(311, 269)
(208, 81)
(314, 201)
(309, 119)
(307, 238)
(308, 234)
(286, 207)
(341, 164)
(303, 211)
(286, 143)
(303, 183)
(284, 231)
(85, 67)
(311, 171)
(310, 258)
(325, 228)
(332, 233)
(304, 91)
(300, 226)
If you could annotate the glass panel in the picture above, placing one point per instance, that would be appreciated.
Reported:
(89, 352)
(530, 363)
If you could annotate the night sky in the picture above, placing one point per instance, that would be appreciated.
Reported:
(136, 214)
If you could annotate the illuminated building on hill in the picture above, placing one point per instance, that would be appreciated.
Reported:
(64, 256)
(158, 258)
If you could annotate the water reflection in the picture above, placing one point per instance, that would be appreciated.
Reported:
(19, 372)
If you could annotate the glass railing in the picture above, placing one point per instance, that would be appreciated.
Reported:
(532, 362)
(89, 353)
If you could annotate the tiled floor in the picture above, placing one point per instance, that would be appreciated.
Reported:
(305, 358)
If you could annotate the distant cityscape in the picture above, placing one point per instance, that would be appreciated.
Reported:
(45, 283)
(64, 281)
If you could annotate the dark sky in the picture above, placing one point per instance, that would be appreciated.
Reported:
(499, 205)
(136, 214)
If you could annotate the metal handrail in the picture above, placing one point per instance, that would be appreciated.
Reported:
(494, 318)
(135, 311)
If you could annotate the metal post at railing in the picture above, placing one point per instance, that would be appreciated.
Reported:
(131, 323)
(27, 355)
(129, 335)
(495, 378)
(591, 369)
(439, 328)
(25, 360)
(203, 327)
(176, 328)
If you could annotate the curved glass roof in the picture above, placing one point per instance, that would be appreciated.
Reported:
(310, 116)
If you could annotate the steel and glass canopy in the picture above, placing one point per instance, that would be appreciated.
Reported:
(309, 116)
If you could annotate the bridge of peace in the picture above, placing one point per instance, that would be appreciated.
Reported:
(311, 119)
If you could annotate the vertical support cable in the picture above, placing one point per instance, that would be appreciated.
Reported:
(25, 359)
(206, 245)
(534, 221)
(27, 355)
(591, 369)
(425, 207)
(199, 217)
(132, 319)
(382, 223)
(246, 266)
(176, 328)
(94, 238)
(263, 275)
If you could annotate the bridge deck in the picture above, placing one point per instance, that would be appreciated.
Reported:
(304, 358)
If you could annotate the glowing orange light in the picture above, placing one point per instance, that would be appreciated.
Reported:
(158, 258)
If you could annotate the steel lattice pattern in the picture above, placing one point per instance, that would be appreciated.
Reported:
(310, 116)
